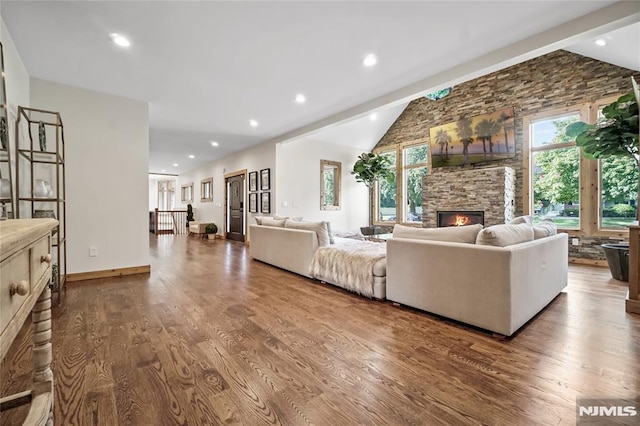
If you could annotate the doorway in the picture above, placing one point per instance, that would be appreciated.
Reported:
(234, 206)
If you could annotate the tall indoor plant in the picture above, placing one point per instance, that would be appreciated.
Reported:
(370, 168)
(615, 136)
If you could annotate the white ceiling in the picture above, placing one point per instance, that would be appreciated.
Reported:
(206, 68)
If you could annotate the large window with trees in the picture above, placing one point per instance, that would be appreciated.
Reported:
(555, 170)
(618, 182)
(399, 198)
(414, 169)
(583, 196)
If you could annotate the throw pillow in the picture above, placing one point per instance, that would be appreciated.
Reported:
(505, 235)
(453, 234)
(320, 228)
(259, 219)
(522, 219)
(269, 221)
(331, 240)
(545, 228)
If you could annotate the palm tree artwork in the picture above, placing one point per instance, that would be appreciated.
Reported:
(443, 139)
(505, 120)
(485, 131)
(464, 130)
(455, 143)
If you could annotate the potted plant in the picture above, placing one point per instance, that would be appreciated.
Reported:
(369, 169)
(211, 229)
(616, 136)
(189, 214)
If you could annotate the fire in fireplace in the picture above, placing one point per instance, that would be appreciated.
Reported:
(460, 218)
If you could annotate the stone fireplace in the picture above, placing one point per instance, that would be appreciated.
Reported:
(489, 190)
(459, 218)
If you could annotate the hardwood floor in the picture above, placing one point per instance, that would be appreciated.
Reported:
(213, 337)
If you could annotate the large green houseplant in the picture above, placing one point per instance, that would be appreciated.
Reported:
(615, 136)
(369, 169)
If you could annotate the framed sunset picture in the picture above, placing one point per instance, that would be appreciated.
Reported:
(470, 140)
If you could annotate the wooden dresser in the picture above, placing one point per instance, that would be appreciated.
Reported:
(25, 272)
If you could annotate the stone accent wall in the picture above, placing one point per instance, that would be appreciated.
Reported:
(558, 79)
(589, 247)
(490, 190)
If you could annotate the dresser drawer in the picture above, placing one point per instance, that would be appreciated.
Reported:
(41, 259)
(14, 272)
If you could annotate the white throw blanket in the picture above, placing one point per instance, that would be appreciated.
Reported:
(349, 264)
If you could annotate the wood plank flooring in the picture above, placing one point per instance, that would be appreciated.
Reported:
(213, 337)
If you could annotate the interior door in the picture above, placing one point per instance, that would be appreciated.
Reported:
(235, 203)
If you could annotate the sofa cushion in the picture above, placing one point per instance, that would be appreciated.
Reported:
(505, 235)
(453, 234)
(545, 228)
(297, 219)
(269, 221)
(320, 228)
(522, 219)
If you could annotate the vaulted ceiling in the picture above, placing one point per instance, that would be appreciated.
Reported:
(207, 68)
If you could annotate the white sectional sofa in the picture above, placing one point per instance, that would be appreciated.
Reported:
(296, 250)
(494, 288)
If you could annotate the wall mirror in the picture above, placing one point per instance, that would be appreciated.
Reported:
(186, 193)
(330, 173)
(206, 190)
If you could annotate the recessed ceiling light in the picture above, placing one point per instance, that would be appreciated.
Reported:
(373, 116)
(370, 60)
(253, 123)
(214, 143)
(601, 42)
(163, 170)
(300, 98)
(175, 164)
(192, 156)
(119, 40)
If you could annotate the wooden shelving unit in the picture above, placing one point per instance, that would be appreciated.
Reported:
(41, 159)
(5, 148)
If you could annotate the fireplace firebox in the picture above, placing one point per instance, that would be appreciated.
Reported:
(460, 218)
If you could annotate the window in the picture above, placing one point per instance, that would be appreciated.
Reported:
(401, 195)
(583, 196)
(166, 195)
(186, 193)
(618, 179)
(206, 190)
(387, 191)
(415, 168)
(330, 173)
(555, 166)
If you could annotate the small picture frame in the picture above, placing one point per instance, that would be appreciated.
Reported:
(265, 179)
(253, 181)
(265, 205)
(253, 201)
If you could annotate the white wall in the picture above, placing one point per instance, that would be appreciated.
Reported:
(252, 159)
(107, 156)
(298, 183)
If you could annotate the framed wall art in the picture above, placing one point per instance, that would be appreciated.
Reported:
(479, 139)
(253, 181)
(265, 179)
(265, 204)
(253, 202)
